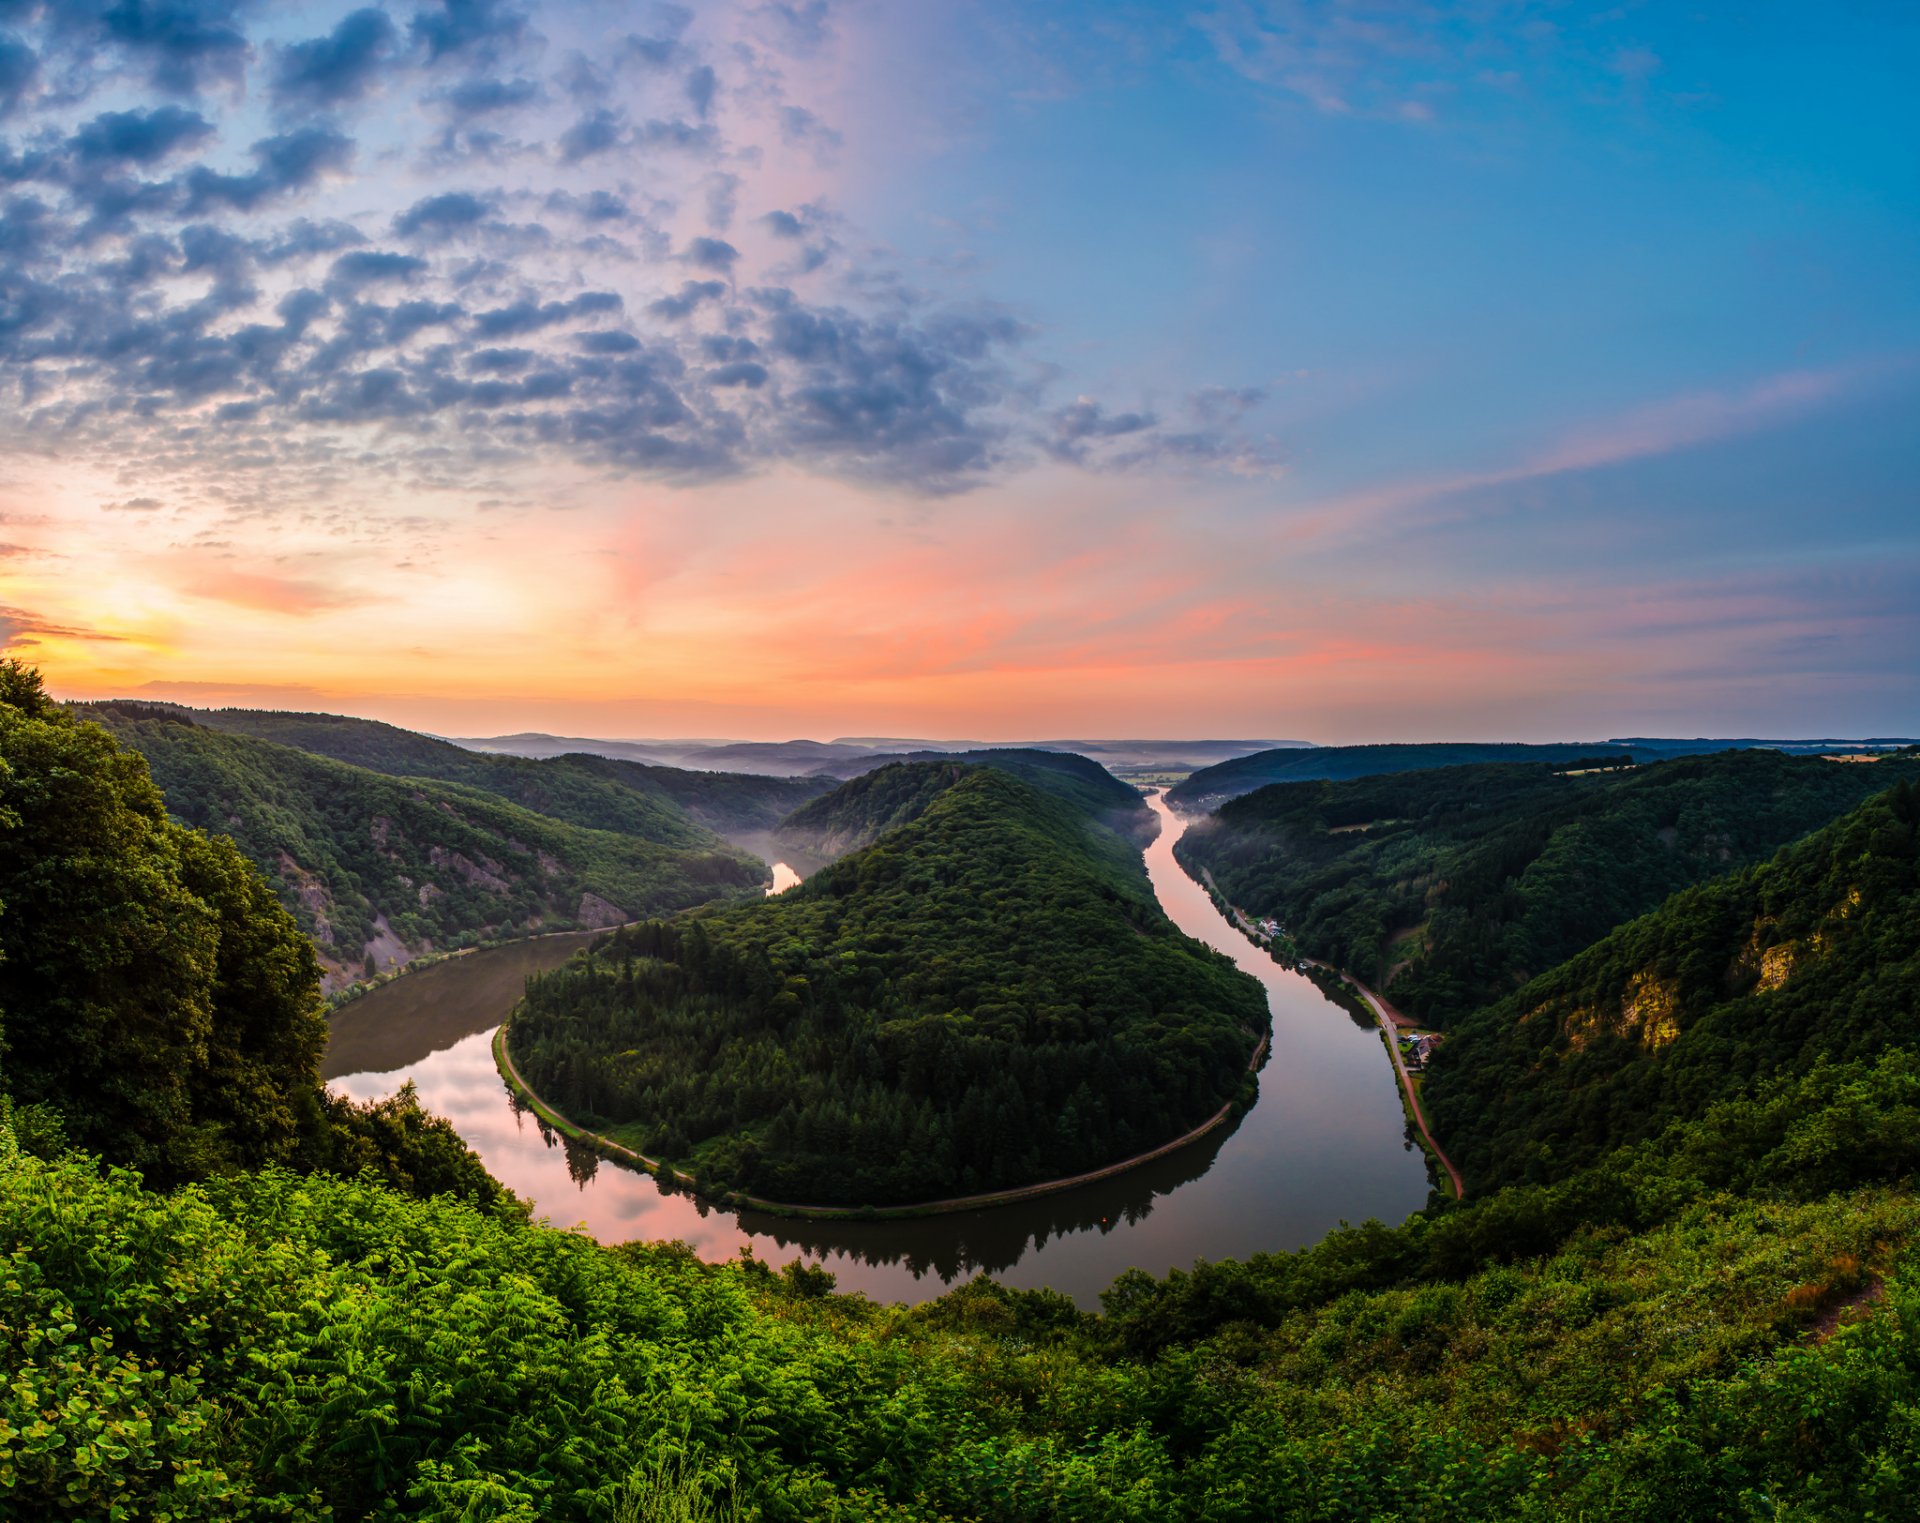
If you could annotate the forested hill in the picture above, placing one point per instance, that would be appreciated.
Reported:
(987, 996)
(599, 792)
(1449, 888)
(1814, 955)
(860, 811)
(1212, 786)
(378, 869)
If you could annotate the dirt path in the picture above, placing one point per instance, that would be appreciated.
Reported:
(1390, 1021)
(503, 1060)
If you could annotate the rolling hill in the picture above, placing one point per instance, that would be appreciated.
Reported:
(1212, 786)
(378, 869)
(986, 996)
(841, 821)
(1449, 888)
(599, 792)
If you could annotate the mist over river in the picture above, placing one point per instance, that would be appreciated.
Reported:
(1325, 1143)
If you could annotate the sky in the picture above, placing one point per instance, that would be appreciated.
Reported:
(1341, 370)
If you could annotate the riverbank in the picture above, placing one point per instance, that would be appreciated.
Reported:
(735, 1199)
(1390, 1021)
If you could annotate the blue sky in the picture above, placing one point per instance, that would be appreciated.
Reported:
(1368, 370)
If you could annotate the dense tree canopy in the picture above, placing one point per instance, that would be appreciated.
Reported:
(987, 996)
(1813, 955)
(1450, 888)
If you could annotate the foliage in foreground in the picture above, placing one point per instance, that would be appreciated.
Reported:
(987, 996)
(272, 1346)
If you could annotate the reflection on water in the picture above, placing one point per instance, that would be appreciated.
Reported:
(1326, 1142)
(784, 878)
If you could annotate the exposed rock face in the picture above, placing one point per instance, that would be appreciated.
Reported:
(312, 895)
(597, 914)
(486, 873)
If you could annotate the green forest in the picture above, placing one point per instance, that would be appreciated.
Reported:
(376, 868)
(226, 1295)
(1447, 889)
(987, 996)
(1807, 958)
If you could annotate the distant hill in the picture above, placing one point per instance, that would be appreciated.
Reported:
(839, 822)
(378, 869)
(1812, 956)
(1448, 888)
(530, 743)
(1212, 786)
(599, 792)
(847, 755)
(988, 995)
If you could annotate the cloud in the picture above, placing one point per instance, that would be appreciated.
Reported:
(223, 322)
(289, 163)
(329, 71)
(140, 137)
(183, 44)
(594, 133)
(798, 30)
(714, 254)
(441, 216)
(19, 69)
(468, 29)
(690, 295)
(488, 97)
(531, 316)
(21, 630)
(266, 592)
(1660, 428)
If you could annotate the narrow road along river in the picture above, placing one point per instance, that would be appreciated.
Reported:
(1326, 1142)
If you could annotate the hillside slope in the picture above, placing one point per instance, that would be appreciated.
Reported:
(598, 792)
(1812, 956)
(987, 996)
(378, 869)
(1211, 787)
(1452, 887)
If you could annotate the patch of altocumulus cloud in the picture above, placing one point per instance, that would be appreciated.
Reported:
(231, 247)
(1424, 63)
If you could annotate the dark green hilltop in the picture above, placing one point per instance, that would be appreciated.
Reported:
(1684, 1283)
(985, 996)
(1210, 787)
(1450, 887)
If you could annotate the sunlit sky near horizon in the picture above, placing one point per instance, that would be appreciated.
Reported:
(1341, 371)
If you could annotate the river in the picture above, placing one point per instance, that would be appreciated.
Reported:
(1325, 1143)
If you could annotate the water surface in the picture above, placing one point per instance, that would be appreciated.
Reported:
(1325, 1143)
